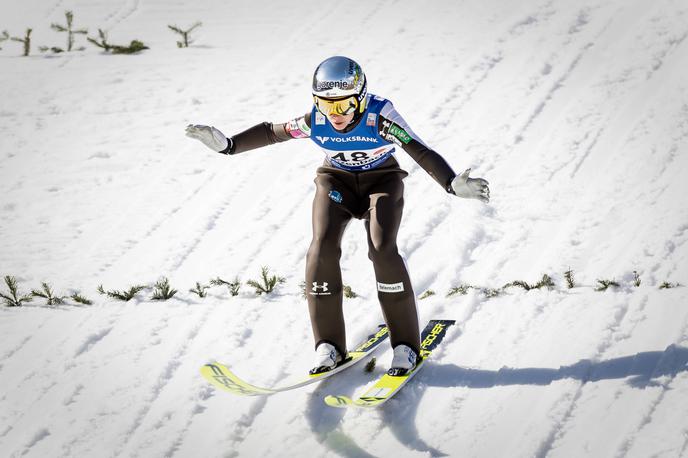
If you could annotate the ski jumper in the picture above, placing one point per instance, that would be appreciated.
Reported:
(359, 179)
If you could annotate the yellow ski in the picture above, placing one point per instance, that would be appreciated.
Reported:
(388, 385)
(220, 376)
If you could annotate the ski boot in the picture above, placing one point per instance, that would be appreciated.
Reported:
(403, 362)
(326, 358)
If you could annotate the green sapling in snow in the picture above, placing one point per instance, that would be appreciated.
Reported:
(26, 41)
(349, 293)
(667, 285)
(14, 298)
(47, 293)
(122, 295)
(234, 286)
(462, 290)
(4, 36)
(546, 281)
(162, 290)
(70, 32)
(102, 42)
(184, 33)
(426, 294)
(267, 283)
(570, 282)
(603, 284)
(199, 289)
(636, 278)
(79, 299)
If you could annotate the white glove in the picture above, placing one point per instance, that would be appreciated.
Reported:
(209, 136)
(471, 188)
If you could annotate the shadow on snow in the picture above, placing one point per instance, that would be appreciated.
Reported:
(642, 368)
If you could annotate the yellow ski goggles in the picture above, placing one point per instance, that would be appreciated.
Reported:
(341, 107)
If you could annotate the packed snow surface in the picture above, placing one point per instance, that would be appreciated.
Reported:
(576, 113)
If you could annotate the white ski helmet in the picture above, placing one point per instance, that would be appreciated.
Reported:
(339, 77)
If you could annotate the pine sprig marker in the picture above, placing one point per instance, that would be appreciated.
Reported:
(426, 294)
(70, 31)
(636, 279)
(545, 282)
(134, 47)
(14, 298)
(267, 282)
(103, 44)
(570, 281)
(4, 36)
(491, 292)
(47, 293)
(461, 290)
(26, 41)
(604, 284)
(199, 289)
(349, 293)
(234, 286)
(79, 299)
(122, 295)
(162, 290)
(184, 33)
(667, 285)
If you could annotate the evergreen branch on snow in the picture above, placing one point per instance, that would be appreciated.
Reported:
(636, 278)
(26, 41)
(69, 29)
(79, 299)
(4, 36)
(199, 289)
(162, 290)
(184, 33)
(134, 47)
(47, 293)
(546, 281)
(233, 286)
(54, 49)
(103, 40)
(603, 284)
(570, 281)
(667, 285)
(370, 365)
(461, 289)
(491, 292)
(426, 294)
(122, 295)
(267, 283)
(349, 293)
(14, 298)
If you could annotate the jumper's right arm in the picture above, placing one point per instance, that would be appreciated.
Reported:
(260, 135)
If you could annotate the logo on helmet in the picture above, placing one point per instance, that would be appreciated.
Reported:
(322, 85)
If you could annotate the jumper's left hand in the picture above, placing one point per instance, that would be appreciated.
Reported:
(470, 188)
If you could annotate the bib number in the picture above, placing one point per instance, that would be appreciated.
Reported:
(356, 157)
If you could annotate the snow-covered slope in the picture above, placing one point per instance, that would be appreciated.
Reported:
(577, 114)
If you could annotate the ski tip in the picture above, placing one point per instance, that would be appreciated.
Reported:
(338, 401)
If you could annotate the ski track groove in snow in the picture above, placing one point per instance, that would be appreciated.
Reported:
(665, 385)
(164, 378)
(558, 429)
